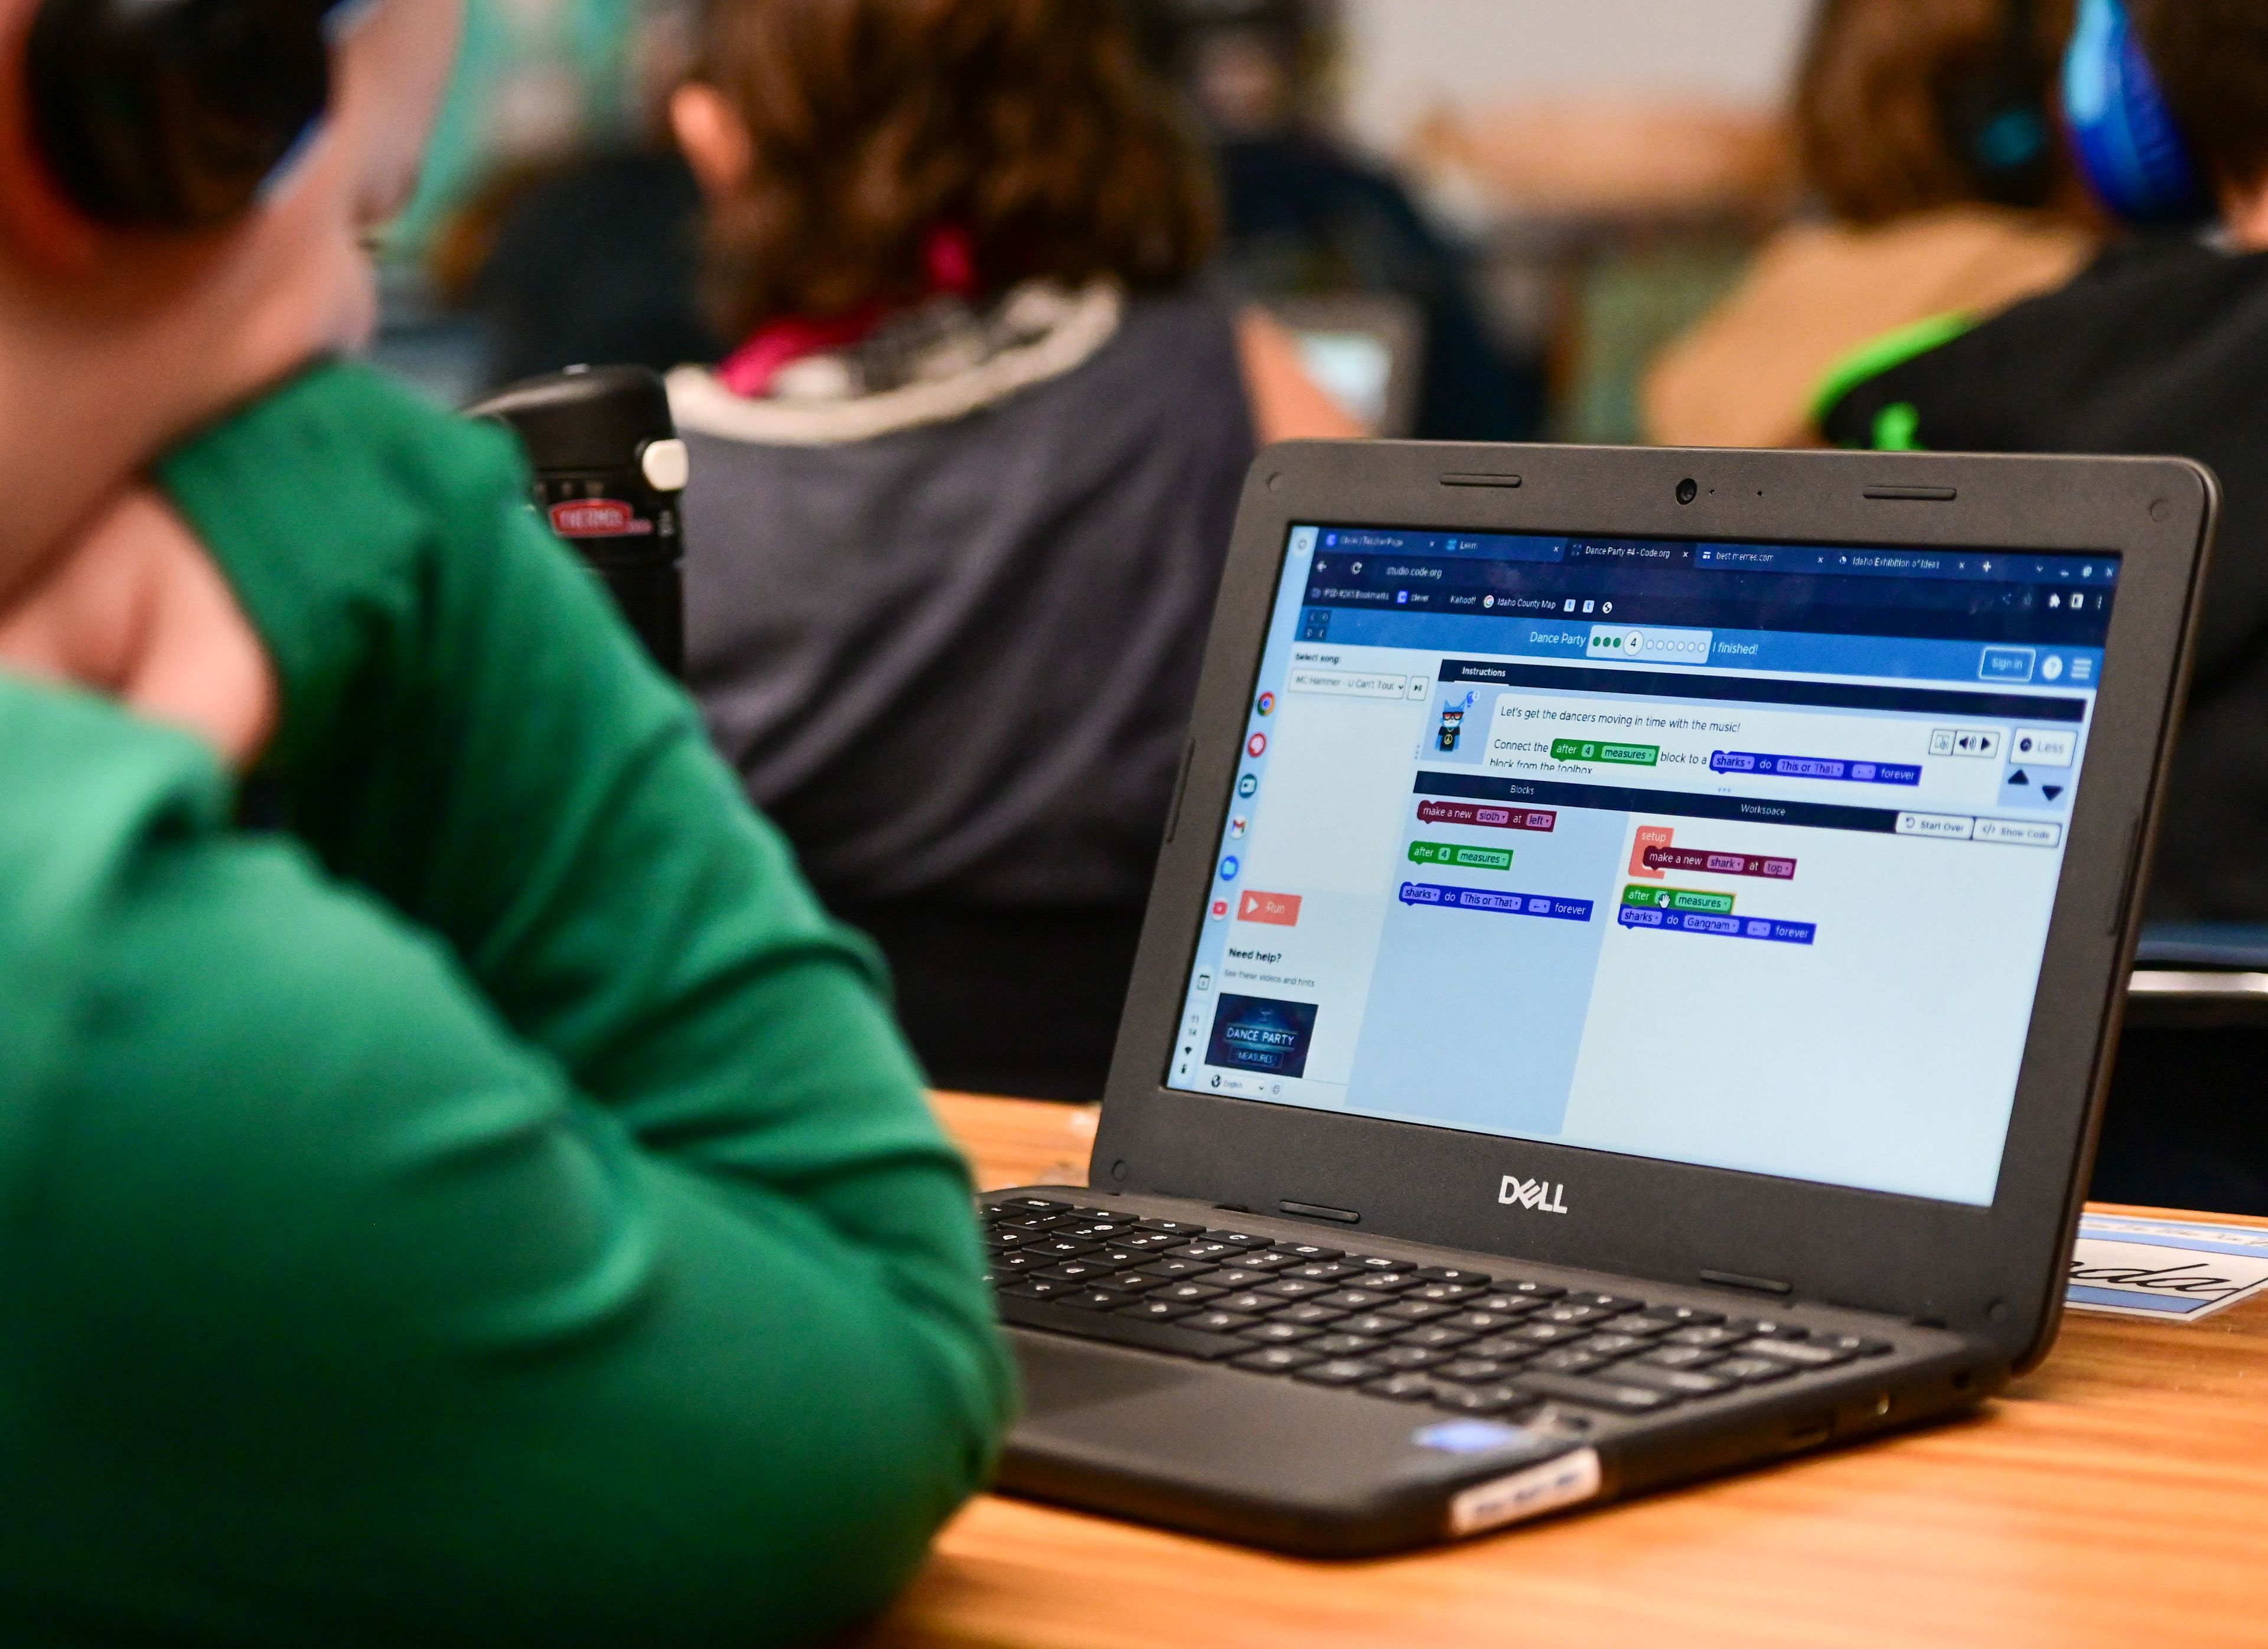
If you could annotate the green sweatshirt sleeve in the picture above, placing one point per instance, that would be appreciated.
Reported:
(499, 1208)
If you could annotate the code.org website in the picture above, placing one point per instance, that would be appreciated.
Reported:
(1737, 855)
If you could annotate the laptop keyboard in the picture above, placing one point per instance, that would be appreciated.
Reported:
(1459, 1340)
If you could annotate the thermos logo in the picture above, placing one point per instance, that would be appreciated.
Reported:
(597, 518)
(1535, 1194)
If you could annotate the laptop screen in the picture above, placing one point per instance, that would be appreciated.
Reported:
(1740, 855)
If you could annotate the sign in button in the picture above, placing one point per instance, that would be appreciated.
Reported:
(2006, 664)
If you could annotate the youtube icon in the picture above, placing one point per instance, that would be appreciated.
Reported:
(1277, 909)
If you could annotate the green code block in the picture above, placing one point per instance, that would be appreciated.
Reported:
(1677, 899)
(1591, 750)
(1471, 858)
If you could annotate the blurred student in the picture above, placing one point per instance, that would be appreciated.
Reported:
(1925, 128)
(961, 495)
(1304, 217)
(2162, 346)
(488, 1203)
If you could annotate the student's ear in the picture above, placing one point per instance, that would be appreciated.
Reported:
(713, 137)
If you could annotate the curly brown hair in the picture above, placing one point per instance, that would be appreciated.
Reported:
(1030, 126)
(1874, 94)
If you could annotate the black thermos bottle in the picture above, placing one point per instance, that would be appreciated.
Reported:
(609, 470)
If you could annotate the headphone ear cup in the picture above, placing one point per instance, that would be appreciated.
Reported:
(1998, 119)
(2002, 131)
(171, 115)
(2129, 146)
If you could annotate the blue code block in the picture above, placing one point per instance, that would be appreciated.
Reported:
(1725, 927)
(1815, 767)
(1547, 905)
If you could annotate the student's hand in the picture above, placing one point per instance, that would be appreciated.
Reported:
(136, 610)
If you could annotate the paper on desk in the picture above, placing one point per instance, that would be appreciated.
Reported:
(2164, 1268)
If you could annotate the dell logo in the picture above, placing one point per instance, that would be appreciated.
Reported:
(1535, 1194)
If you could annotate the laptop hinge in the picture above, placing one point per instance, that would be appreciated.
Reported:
(1318, 1211)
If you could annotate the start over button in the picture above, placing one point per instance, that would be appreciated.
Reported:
(1944, 827)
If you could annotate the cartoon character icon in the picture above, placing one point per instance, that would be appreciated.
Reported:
(1452, 730)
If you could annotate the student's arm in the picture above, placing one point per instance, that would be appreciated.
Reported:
(774, 1305)
(1288, 404)
(337, 1317)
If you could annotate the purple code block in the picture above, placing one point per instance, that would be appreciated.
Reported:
(1815, 767)
(1724, 927)
(1548, 905)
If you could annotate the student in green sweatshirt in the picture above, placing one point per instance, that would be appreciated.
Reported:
(484, 1201)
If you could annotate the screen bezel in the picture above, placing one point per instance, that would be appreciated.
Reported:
(1995, 1272)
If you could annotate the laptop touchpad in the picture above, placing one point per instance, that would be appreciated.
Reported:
(1061, 1376)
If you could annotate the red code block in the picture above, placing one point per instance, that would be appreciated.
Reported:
(1720, 864)
(1649, 837)
(1470, 812)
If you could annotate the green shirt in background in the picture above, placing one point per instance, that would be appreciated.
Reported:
(494, 1208)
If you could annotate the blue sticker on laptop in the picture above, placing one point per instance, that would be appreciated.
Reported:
(1469, 1437)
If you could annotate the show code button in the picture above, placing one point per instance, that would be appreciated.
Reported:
(2030, 833)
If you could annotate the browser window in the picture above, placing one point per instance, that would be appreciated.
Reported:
(1740, 855)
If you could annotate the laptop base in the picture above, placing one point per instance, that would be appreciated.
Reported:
(1482, 1410)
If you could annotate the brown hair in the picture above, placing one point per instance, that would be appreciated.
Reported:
(1029, 125)
(1878, 83)
(2211, 62)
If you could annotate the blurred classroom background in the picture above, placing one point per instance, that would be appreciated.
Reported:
(1483, 218)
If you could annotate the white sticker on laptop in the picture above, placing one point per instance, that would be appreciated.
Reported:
(2177, 1271)
(1570, 1478)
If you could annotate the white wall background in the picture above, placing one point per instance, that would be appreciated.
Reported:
(1407, 56)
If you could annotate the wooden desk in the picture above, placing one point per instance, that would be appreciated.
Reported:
(2118, 1495)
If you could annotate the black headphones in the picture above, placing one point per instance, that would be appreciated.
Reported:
(2000, 120)
(171, 115)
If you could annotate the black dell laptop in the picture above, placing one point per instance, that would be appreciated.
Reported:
(1629, 987)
